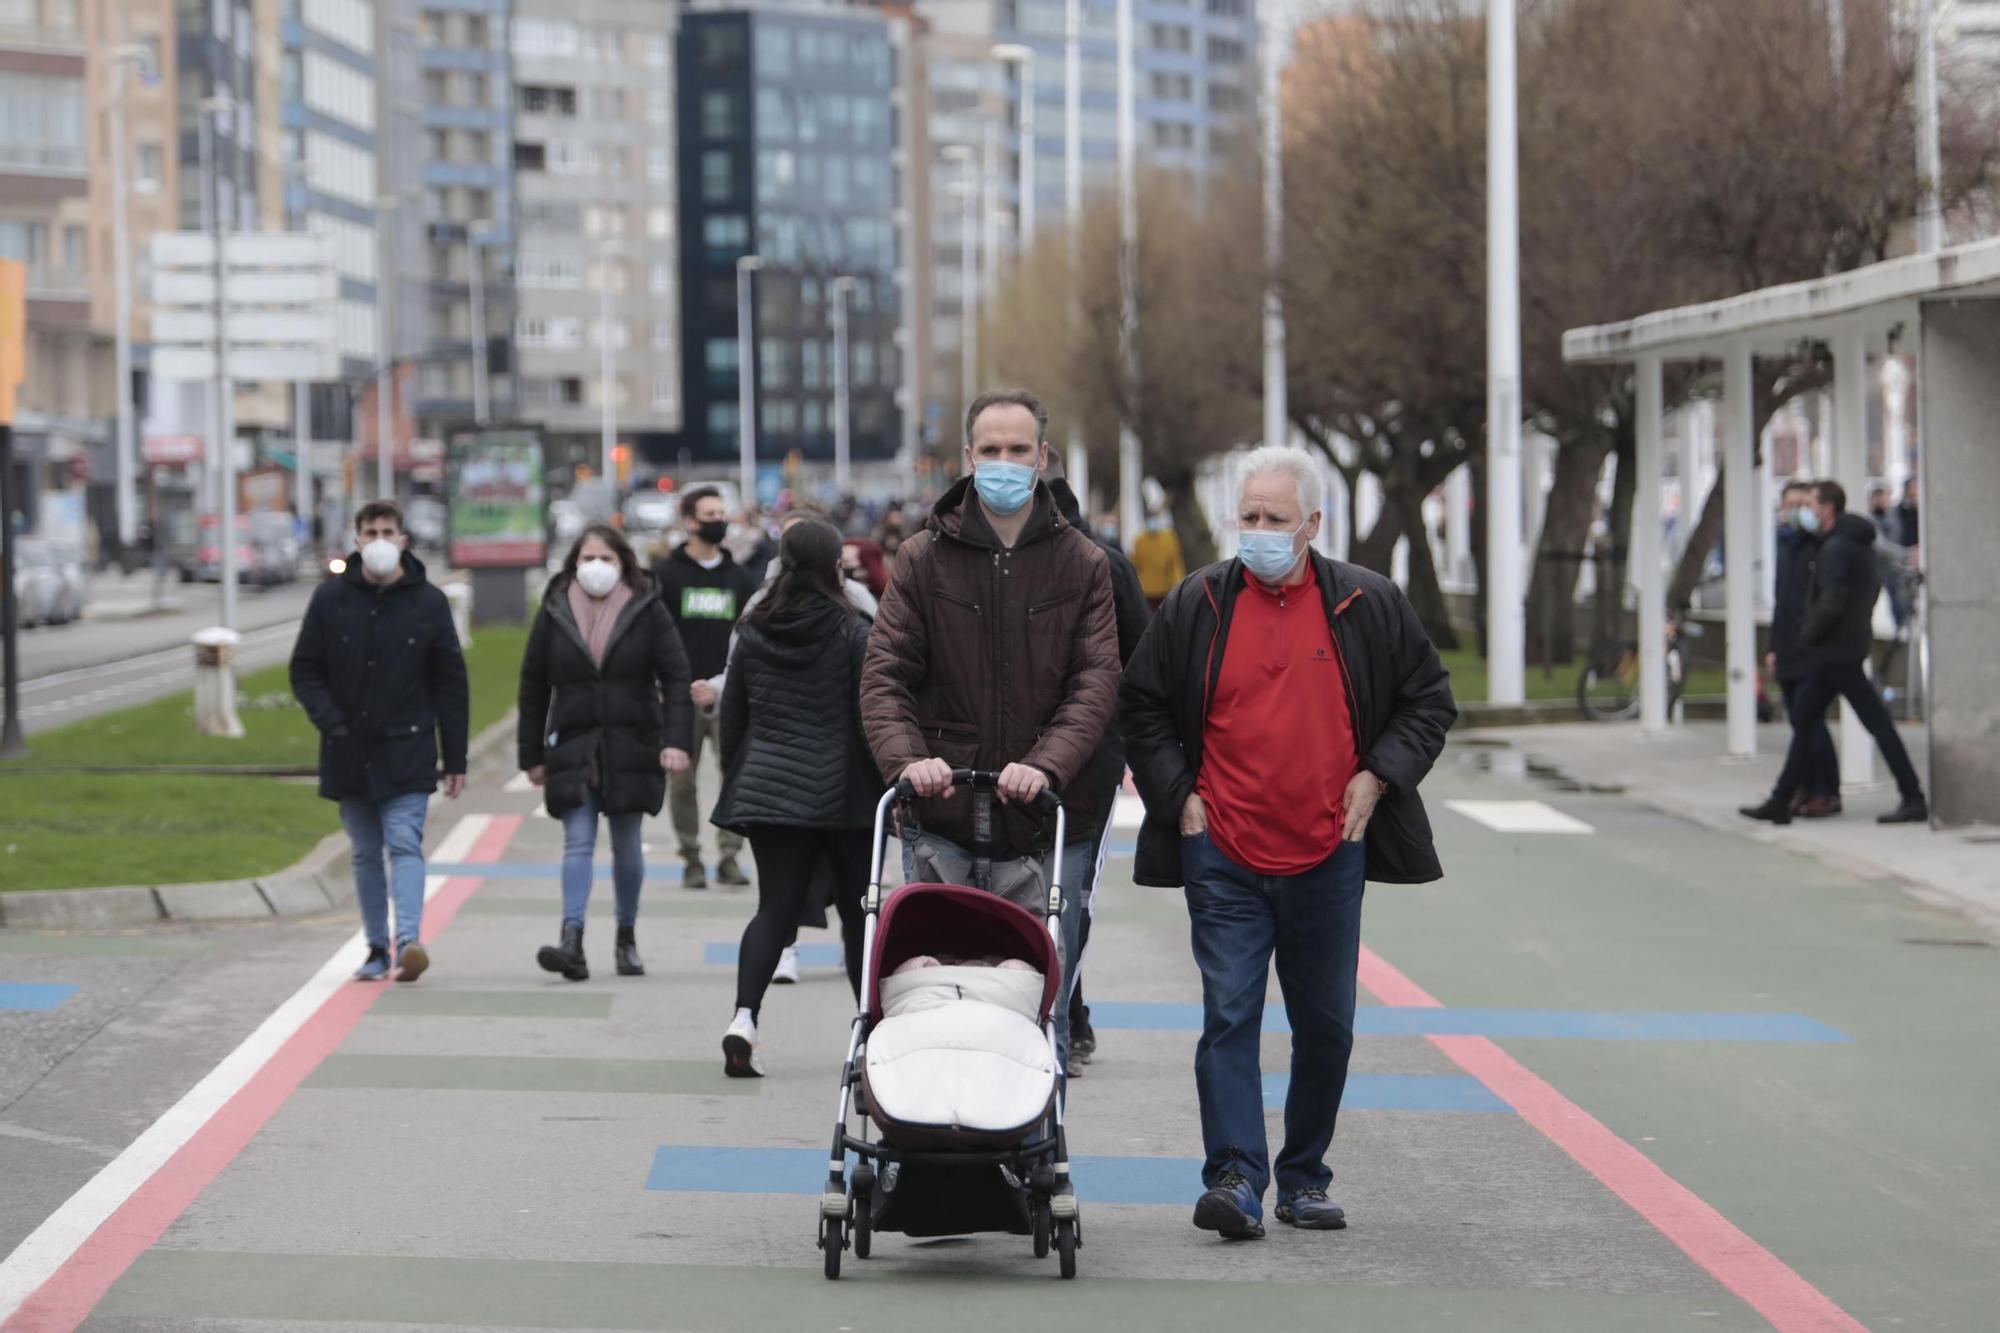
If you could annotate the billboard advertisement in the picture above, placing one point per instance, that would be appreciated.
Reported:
(496, 501)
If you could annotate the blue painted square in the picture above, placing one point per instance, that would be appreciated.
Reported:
(722, 953)
(1402, 1092)
(1161, 1180)
(32, 996)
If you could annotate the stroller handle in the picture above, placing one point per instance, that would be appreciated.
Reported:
(982, 779)
(979, 780)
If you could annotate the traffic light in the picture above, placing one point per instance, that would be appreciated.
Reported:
(665, 483)
(621, 463)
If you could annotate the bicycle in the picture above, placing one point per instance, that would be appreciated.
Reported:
(1607, 690)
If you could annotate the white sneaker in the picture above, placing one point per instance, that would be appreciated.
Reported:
(739, 1049)
(788, 967)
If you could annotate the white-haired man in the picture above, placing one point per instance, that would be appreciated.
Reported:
(1278, 716)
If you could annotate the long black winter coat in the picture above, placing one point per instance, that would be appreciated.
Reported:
(583, 722)
(1788, 605)
(1840, 604)
(379, 672)
(1399, 696)
(792, 750)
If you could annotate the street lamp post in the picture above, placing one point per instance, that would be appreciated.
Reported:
(121, 266)
(1023, 58)
(386, 209)
(476, 237)
(1506, 632)
(222, 417)
(607, 361)
(1131, 513)
(302, 487)
(843, 465)
(746, 394)
(1274, 232)
(968, 295)
(1930, 215)
(1079, 457)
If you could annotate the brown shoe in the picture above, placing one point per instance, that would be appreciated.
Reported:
(1820, 807)
(1798, 804)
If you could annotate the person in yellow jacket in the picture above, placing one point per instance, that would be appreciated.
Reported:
(1156, 554)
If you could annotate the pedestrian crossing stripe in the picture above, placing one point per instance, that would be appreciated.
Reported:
(1519, 817)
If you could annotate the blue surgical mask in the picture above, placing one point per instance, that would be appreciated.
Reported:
(1005, 487)
(1809, 520)
(1268, 555)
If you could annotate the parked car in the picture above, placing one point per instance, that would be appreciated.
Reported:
(45, 588)
(267, 550)
(424, 520)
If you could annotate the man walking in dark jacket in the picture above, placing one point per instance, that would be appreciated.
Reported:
(1837, 632)
(1278, 717)
(1819, 789)
(996, 647)
(377, 668)
(704, 590)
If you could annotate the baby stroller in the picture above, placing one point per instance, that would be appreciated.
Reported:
(955, 1065)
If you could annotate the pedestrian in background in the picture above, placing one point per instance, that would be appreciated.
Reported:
(1156, 554)
(1279, 716)
(377, 668)
(798, 780)
(1838, 631)
(704, 589)
(997, 648)
(1819, 786)
(605, 717)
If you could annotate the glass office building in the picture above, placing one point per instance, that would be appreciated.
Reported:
(787, 141)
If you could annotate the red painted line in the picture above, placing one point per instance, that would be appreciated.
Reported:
(68, 1297)
(1762, 1280)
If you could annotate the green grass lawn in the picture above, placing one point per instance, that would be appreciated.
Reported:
(61, 830)
(1468, 678)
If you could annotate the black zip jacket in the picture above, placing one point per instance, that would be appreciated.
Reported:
(1398, 693)
(606, 726)
(379, 671)
(1788, 604)
(705, 605)
(1840, 604)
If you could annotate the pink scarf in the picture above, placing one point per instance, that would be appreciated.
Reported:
(596, 616)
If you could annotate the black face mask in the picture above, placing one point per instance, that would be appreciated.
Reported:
(713, 532)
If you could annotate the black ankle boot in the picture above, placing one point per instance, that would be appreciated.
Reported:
(628, 954)
(567, 957)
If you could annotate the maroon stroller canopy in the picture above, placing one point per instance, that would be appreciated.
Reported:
(965, 922)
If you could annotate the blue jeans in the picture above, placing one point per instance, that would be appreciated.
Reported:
(397, 826)
(628, 861)
(1237, 919)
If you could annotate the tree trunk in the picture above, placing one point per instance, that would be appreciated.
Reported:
(1190, 523)
(1624, 489)
(1377, 550)
(1426, 596)
(1707, 531)
(1559, 553)
(1477, 462)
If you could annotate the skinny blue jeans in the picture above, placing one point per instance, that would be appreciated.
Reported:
(628, 861)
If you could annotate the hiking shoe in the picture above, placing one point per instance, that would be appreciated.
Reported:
(729, 874)
(1230, 1209)
(566, 959)
(788, 967)
(695, 875)
(1772, 811)
(1912, 810)
(739, 1049)
(411, 960)
(1311, 1210)
(375, 968)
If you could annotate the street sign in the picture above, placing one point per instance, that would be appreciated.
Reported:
(495, 500)
(172, 449)
(279, 292)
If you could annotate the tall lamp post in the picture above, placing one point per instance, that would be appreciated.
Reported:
(477, 236)
(1930, 215)
(1023, 59)
(386, 210)
(222, 417)
(1274, 230)
(1131, 511)
(296, 172)
(1079, 457)
(746, 393)
(1506, 631)
(843, 463)
(608, 253)
(130, 53)
(968, 292)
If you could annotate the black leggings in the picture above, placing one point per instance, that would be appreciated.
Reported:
(785, 860)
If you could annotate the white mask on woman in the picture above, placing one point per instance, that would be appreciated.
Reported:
(597, 576)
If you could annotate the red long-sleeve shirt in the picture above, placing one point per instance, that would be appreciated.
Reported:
(1278, 748)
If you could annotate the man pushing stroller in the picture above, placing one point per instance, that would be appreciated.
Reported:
(997, 648)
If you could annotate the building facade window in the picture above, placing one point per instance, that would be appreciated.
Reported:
(720, 355)
(718, 172)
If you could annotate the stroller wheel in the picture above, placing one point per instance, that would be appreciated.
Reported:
(831, 1241)
(862, 1225)
(1040, 1208)
(1066, 1246)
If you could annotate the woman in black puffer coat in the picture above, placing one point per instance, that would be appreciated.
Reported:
(798, 780)
(605, 716)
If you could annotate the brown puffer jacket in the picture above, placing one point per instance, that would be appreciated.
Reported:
(984, 656)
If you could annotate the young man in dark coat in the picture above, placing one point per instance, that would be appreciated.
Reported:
(1837, 633)
(1278, 717)
(704, 590)
(1819, 790)
(377, 668)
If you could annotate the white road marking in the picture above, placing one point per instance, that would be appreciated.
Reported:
(518, 784)
(1519, 817)
(51, 1244)
(1129, 812)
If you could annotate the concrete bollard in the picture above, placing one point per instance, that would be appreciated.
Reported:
(215, 682)
(460, 597)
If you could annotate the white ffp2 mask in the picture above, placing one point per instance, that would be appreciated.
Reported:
(381, 557)
(598, 577)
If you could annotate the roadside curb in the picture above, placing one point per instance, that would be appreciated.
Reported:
(312, 885)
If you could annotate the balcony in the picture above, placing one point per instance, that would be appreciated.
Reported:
(57, 284)
(42, 37)
(43, 159)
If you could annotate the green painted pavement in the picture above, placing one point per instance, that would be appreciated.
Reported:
(883, 1296)
(80, 946)
(431, 1002)
(494, 1073)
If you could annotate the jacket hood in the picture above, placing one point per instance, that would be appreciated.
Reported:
(1854, 528)
(413, 572)
(958, 516)
(797, 636)
(1068, 507)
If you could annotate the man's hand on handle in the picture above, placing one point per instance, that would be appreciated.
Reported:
(929, 777)
(1194, 816)
(1021, 784)
(1357, 806)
